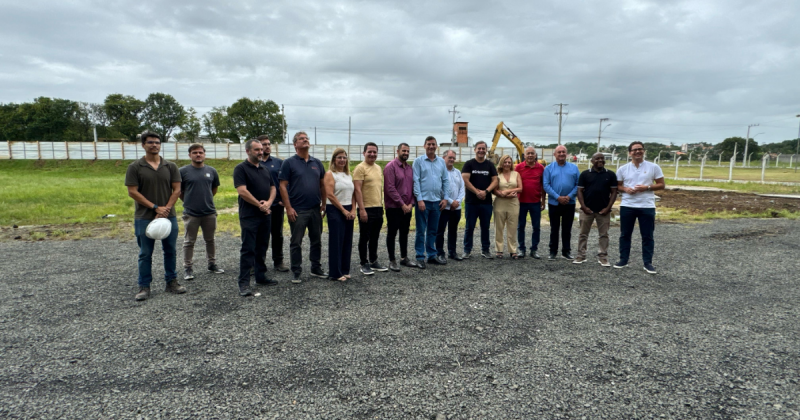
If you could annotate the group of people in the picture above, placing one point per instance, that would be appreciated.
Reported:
(301, 190)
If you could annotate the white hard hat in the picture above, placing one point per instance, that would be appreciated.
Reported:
(159, 229)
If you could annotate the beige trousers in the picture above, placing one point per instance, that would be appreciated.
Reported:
(506, 220)
(585, 221)
(191, 224)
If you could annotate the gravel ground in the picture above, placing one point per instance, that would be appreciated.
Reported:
(714, 335)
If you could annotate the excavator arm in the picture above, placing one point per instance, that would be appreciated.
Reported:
(502, 129)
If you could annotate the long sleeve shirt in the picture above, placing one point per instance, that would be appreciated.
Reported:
(398, 184)
(561, 181)
(457, 189)
(431, 182)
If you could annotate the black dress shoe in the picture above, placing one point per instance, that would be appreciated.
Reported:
(552, 256)
(405, 262)
(267, 282)
(455, 257)
(421, 264)
(535, 255)
(567, 255)
(434, 261)
(245, 291)
(441, 260)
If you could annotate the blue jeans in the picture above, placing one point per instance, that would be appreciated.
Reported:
(146, 246)
(647, 225)
(427, 225)
(473, 212)
(535, 210)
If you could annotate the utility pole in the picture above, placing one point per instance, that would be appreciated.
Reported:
(453, 127)
(560, 114)
(797, 149)
(315, 135)
(283, 125)
(746, 141)
(600, 131)
(349, 127)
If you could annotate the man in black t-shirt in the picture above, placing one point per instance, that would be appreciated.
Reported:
(480, 178)
(597, 191)
(253, 182)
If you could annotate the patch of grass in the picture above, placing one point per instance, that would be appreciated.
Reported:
(745, 187)
(666, 214)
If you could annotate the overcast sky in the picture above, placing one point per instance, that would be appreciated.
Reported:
(666, 71)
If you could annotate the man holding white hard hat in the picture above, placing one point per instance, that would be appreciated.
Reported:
(155, 185)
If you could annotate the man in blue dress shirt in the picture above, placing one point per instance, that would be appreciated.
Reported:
(431, 185)
(561, 184)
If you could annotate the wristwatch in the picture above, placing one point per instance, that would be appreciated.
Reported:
(155, 206)
(648, 188)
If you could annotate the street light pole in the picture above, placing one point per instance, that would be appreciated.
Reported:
(797, 150)
(600, 131)
(747, 140)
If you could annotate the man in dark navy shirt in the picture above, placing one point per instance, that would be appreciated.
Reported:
(274, 165)
(303, 195)
(253, 182)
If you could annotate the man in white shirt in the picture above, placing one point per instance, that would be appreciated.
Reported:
(451, 215)
(637, 180)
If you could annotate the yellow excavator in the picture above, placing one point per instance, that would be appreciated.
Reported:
(503, 129)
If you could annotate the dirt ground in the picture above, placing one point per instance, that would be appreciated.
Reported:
(696, 202)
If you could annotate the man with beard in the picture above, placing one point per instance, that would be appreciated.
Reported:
(597, 191)
(253, 183)
(431, 186)
(368, 183)
(199, 183)
(561, 183)
(480, 179)
(274, 165)
(398, 186)
(303, 193)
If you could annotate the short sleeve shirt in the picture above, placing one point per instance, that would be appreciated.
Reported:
(258, 182)
(480, 176)
(303, 178)
(372, 183)
(274, 165)
(154, 184)
(196, 186)
(630, 176)
(531, 182)
(597, 188)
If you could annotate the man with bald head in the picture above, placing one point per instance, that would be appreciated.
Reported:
(561, 184)
(597, 191)
(531, 200)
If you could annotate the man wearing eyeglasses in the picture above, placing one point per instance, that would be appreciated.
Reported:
(637, 181)
(155, 185)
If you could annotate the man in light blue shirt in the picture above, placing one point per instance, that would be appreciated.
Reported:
(431, 186)
(451, 215)
(561, 184)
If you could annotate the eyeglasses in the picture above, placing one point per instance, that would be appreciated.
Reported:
(637, 150)
(153, 142)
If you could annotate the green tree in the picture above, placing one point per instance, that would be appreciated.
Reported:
(249, 118)
(124, 114)
(190, 129)
(727, 146)
(12, 127)
(215, 122)
(163, 113)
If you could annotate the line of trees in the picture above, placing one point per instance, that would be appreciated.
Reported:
(123, 117)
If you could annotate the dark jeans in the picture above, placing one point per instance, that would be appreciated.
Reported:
(277, 234)
(535, 210)
(647, 225)
(368, 234)
(561, 216)
(473, 212)
(396, 221)
(448, 220)
(427, 223)
(340, 241)
(255, 241)
(146, 246)
(311, 220)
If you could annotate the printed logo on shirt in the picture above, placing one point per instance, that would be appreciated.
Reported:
(476, 172)
(208, 175)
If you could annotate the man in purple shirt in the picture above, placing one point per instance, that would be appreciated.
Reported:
(398, 197)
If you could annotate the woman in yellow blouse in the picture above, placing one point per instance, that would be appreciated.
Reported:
(506, 206)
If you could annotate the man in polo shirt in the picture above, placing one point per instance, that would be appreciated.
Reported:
(560, 181)
(480, 179)
(398, 185)
(199, 183)
(637, 180)
(531, 200)
(451, 215)
(368, 183)
(274, 165)
(597, 191)
(155, 185)
(431, 186)
(303, 195)
(253, 183)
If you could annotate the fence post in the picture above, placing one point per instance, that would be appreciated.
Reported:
(24, 150)
(39, 149)
(702, 165)
(66, 147)
(677, 161)
(122, 149)
(52, 150)
(95, 150)
(730, 171)
(764, 166)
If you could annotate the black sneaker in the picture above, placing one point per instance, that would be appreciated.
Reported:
(535, 254)
(568, 255)
(552, 256)
(188, 274)
(488, 255)
(296, 278)
(621, 264)
(441, 260)
(455, 257)
(267, 282)
(421, 264)
(245, 291)
(367, 270)
(649, 268)
(214, 268)
(465, 256)
(405, 262)
(394, 266)
(319, 273)
(377, 266)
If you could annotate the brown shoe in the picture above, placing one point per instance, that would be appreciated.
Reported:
(281, 267)
(604, 262)
(175, 287)
(143, 294)
(578, 260)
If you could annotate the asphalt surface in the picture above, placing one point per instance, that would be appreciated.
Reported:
(714, 335)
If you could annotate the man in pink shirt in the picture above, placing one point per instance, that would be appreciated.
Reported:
(531, 200)
(398, 198)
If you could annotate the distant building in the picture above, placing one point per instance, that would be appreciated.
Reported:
(461, 135)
